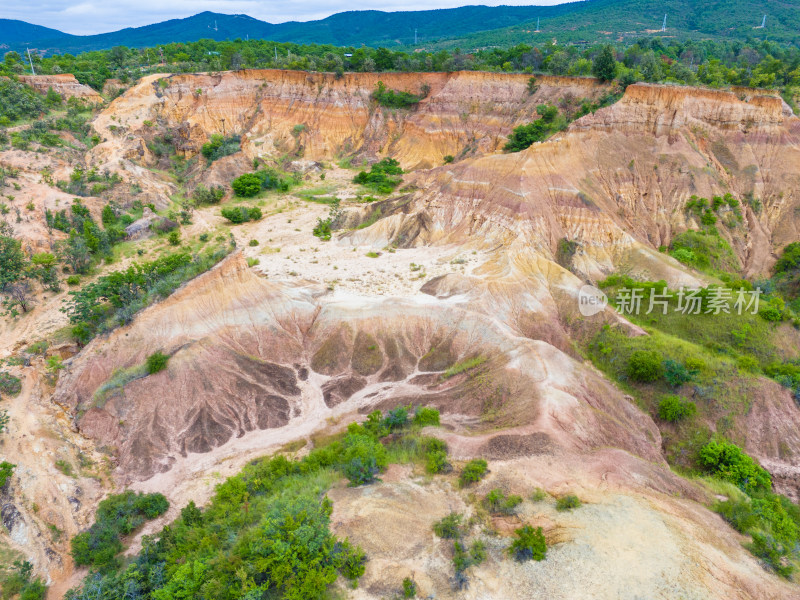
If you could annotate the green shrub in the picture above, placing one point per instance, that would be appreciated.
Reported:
(645, 366)
(674, 408)
(473, 471)
(727, 461)
(436, 462)
(252, 243)
(397, 418)
(247, 185)
(424, 417)
(212, 195)
(705, 250)
(772, 521)
(525, 135)
(568, 502)
(497, 502)
(156, 362)
(462, 558)
(772, 310)
(219, 146)
(323, 229)
(6, 469)
(19, 101)
(380, 176)
(174, 237)
(685, 256)
(393, 98)
(677, 374)
(65, 467)
(363, 457)
(241, 214)
(529, 545)
(18, 583)
(10, 385)
(409, 588)
(538, 495)
(449, 527)
(708, 218)
(250, 184)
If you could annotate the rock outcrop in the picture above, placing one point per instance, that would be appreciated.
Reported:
(64, 84)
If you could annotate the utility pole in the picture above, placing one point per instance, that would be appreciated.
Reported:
(276, 55)
(223, 126)
(537, 24)
(664, 26)
(33, 71)
(415, 36)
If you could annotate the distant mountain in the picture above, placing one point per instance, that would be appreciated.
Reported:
(628, 20)
(468, 26)
(353, 28)
(19, 32)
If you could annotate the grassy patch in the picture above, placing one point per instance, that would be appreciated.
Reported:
(117, 382)
(464, 365)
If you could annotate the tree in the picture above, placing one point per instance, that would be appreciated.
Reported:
(44, 268)
(12, 258)
(74, 252)
(109, 217)
(605, 65)
(20, 295)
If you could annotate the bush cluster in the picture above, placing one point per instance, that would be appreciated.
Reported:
(382, 176)
(115, 298)
(266, 529)
(19, 101)
(10, 385)
(251, 184)
(205, 195)
(728, 462)
(393, 98)
(674, 408)
(117, 515)
(568, 502)
(219, 146)
(497, 502)
(19, 581)
(473, 471)
(156, 362)
(529, 544)
(524, 136)
(241, 214)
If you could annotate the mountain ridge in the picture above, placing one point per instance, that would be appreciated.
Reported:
(467, 26)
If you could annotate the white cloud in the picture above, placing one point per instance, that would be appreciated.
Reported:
(96, 16)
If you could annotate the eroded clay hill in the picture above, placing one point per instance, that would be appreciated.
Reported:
(258, 362)
(328, 117)
(617, 183)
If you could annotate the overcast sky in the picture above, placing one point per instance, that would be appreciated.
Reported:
(99, 16)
